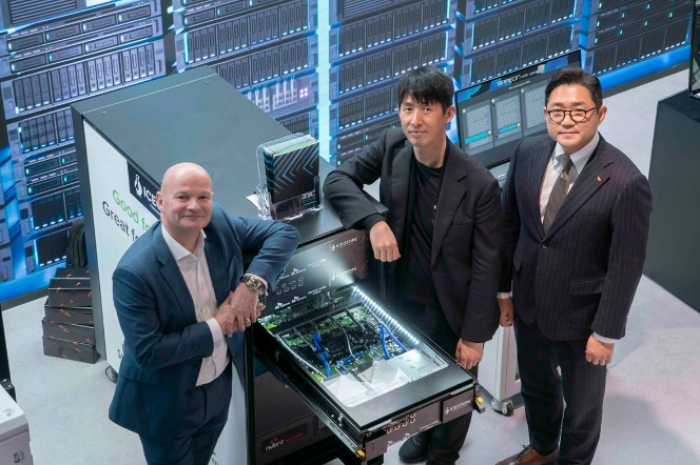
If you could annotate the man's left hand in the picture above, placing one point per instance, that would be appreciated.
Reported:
(469, 354)
(597, 352)
(244, 305)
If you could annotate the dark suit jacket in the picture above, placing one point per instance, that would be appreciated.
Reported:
(464, 261)
(581, 276)
(163, 343)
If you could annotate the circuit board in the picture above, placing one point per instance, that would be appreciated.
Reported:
(351, 345)
(348, 341)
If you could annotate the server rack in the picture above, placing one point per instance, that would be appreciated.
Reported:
(617, 34)
(9, 228)
(496, 38)
(16, 13)
(371, 46)
(53, 54)
(268, 50)
(56, 52)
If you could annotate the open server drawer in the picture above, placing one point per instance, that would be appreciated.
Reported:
(372, 379)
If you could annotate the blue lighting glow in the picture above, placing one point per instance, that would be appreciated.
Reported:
(12, 214)
(645, 67)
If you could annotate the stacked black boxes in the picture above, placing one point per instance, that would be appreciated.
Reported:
(69, 330)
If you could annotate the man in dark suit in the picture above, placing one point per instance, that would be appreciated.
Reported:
(182, 324)
(576, 215)
(440, 238)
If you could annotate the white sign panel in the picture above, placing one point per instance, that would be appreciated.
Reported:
(119, 219)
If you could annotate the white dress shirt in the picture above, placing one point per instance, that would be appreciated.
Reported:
(195, 270)
(556, 165)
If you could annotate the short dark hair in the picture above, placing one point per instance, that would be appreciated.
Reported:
(576, 76)
(426, 85)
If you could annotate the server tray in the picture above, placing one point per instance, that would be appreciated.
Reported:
(367, 425)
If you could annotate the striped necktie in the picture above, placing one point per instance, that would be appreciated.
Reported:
(558, 194)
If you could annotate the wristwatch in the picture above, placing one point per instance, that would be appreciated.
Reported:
(255, 284)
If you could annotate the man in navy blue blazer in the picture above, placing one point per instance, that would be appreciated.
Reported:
(576, 220)
(183, 303)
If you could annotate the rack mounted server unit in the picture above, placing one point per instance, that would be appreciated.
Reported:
(371, 378)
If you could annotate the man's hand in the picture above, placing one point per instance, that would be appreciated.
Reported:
(224, 316)
(259, 309)
(383, 242)
(227, 319)
(469, 354)
(244, 305)
(507, 312)
(597, 352)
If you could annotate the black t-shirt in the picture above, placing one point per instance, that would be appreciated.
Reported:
(418, 286)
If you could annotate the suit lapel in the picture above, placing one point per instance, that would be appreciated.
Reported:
(217, 267)
(173, 277)
(539, 158)
(592, 178)
(400, 184)
(452, 191)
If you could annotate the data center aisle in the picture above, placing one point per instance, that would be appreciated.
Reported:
(651, 413)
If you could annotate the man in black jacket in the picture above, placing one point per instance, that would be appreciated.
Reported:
(440, 239)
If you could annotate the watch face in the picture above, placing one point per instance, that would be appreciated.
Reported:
(252, 282)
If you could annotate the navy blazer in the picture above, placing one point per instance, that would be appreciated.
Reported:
(163, 343)
(582, 275)
(465, 252)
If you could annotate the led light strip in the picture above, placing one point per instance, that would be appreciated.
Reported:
(392, 323)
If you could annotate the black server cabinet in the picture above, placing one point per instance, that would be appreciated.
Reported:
(673, 251)
(196, 116)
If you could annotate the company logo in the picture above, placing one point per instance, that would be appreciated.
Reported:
(279, 305)
(456, 407)
(518, 77)
(137, 186)
(340, 245)
(343, 273)
(290, 436)
(143, 190)
(274, 444)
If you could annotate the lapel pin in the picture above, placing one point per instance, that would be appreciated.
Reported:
(598, 178)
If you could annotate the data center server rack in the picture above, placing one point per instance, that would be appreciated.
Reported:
(371, 45)
(54, 53)
(616, 34)
(371, 378)
(18, 13)
(268, 50)
(497, 37)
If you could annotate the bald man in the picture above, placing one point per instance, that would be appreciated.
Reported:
(183, 303)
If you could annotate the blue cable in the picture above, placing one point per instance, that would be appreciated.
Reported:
(321, 353)
(317, 342)
(383, 337)
(394, 338)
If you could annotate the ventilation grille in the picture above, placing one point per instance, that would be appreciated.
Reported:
(28, 11)
(350, 8)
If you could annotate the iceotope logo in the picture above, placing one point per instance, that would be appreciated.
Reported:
(137, 186)
(343, 273)
(143, 190)
(459, 406)
(340, 245)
